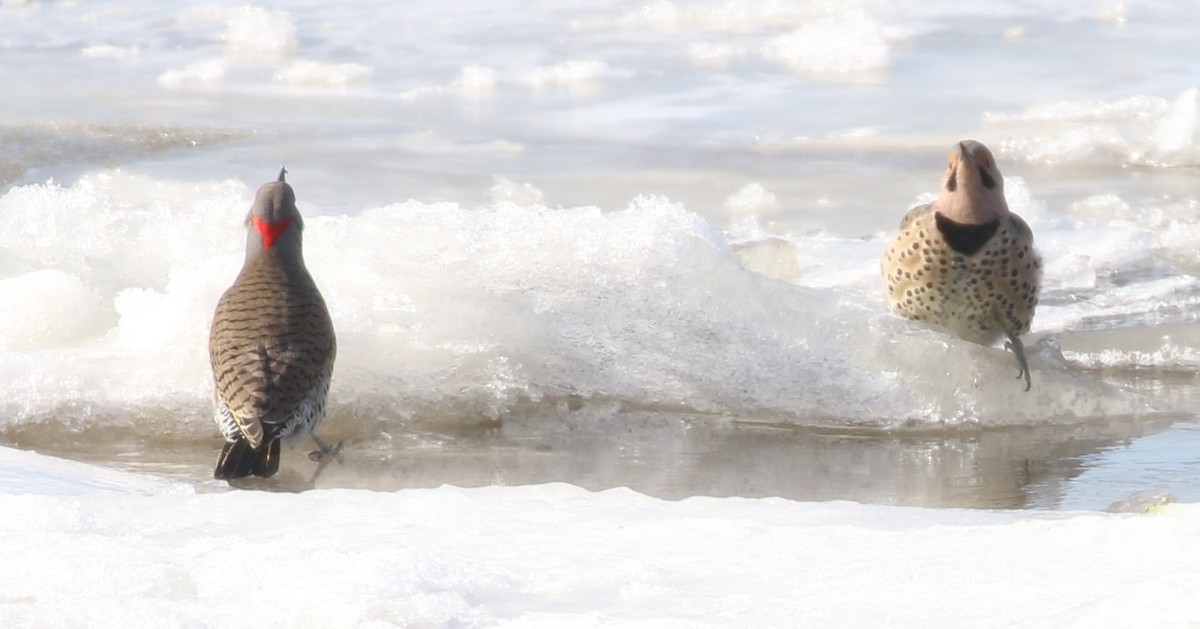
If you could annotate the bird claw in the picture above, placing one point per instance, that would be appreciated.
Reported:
(323, 455)
(1024, 371)
(326, 452)
(1014, 345)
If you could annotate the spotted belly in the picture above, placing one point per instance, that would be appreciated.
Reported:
(981, 297)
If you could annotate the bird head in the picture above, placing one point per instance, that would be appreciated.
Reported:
(274, 223)
(973, 188)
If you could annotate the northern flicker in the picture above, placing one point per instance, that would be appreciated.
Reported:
(965, 262)
(271, 344)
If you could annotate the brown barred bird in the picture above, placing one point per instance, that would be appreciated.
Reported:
(965, 262)
(271, 344)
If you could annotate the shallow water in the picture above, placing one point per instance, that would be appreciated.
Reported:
(614, 244)
(674, 455)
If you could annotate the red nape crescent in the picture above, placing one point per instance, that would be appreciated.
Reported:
(270, 231)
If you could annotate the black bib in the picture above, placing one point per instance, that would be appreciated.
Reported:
(965, 239)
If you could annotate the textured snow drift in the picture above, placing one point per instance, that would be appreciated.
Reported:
(87, 546)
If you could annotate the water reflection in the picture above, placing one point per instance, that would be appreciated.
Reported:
(674, 456)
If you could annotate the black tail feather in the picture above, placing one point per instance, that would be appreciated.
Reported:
(239, 460)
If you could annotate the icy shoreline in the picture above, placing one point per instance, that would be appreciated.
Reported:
(84, 545)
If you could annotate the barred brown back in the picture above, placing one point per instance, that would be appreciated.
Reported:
(271, 344)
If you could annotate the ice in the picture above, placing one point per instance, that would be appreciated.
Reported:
(55, 309)
(843, 45)
(1146, 501)
(305, 73)
(1177, 129)
(524, 194)
(106, 51)
(254, 38)
(753, 200)
(577, 76)
(1140, 130)
(255, 34)
(592, 215)
(443, 309)
(206, 72)
(434, 143)
(474, 82)
(773, 257)
(1115, 13)
(113, 549)
(717, 56)
(828, 41)
(730, 17)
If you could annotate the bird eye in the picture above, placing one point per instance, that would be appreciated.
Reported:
(988, 182)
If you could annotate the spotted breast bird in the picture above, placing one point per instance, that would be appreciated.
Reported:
(965, 262)
(271, 344)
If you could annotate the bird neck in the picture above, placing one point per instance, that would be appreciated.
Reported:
(270, 232)
(279, 240)
(968, 209)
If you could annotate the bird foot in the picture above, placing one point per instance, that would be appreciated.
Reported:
(326, 452)
(1014, 345)
(323, 455)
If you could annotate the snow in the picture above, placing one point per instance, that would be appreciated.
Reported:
(571, 210)
(89, 546)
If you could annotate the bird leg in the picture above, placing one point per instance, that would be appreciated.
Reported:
(323, 455)
(1014, 343)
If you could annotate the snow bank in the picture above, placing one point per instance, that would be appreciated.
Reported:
(558, 556)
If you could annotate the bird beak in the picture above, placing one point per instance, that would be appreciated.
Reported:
(963, 153)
